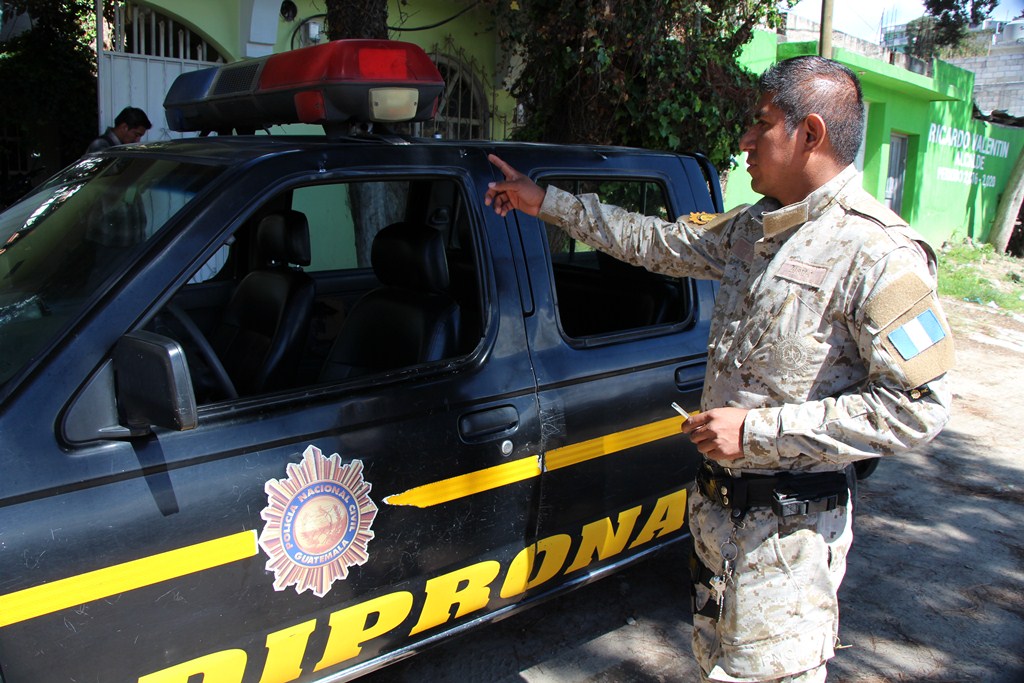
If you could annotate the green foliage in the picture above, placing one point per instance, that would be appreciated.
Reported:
(48, 74)
(976, 273)
(943, 31)
(357, 19)
(921, 37)
(659, 74)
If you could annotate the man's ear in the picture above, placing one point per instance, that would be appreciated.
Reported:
(814, 131)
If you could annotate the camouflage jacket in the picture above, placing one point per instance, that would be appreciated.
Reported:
(826, 326)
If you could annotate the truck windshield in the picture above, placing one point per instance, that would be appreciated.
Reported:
(63, 243)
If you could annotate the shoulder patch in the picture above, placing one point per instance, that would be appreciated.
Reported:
(868, 206)
(895, 300)
(919, 343)
(917, 335)
(909, 325)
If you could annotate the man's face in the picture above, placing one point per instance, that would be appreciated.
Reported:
(772, 159)
(128, 135)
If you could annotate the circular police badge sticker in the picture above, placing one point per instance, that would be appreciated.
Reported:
(318, 522)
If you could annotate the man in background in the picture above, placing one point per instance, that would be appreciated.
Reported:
(129, 126)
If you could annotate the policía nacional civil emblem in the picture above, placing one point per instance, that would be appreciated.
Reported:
(318, 522)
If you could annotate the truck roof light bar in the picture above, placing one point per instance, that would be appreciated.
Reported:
(343, 81)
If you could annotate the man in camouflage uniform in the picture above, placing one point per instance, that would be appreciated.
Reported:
(828, 345)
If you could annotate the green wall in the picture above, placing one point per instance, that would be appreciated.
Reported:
(757, 55)
(966, 165)
(957, 166)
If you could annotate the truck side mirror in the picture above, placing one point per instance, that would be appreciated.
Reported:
(153, 384)
(145, 384)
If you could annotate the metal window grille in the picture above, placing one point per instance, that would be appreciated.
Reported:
(462, 113)
(136, 29)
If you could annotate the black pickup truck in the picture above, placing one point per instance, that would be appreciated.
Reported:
(281, 408)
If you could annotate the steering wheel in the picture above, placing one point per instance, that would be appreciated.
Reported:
(205, 350)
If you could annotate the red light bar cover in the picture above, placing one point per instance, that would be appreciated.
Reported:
(380, 61)
(329, 83)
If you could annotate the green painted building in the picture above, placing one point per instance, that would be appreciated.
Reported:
(924, 153)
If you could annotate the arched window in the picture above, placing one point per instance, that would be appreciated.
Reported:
(462, 113)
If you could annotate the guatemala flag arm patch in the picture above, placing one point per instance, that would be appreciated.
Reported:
(917, 335)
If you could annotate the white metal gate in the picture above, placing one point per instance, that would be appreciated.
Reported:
(143, 52)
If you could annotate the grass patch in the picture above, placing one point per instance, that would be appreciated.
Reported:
(976, 273)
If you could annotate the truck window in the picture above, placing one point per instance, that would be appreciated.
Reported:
(599, 295)
(62, 245)
(361, 278)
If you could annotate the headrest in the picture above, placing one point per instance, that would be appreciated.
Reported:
(283, 237)
(410, 256)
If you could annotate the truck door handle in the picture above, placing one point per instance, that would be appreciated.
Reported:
(488, 423)
(691, 376)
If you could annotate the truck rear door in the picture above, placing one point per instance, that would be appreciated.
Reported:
(613, 346)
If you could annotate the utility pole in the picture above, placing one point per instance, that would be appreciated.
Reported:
(825, 44)
(102, 71)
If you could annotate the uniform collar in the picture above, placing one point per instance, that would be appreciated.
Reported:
(815, 204)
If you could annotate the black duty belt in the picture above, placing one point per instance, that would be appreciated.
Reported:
(785, 493)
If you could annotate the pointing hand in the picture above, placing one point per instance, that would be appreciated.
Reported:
(516, 192)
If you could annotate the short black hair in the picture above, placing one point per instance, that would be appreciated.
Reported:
(807, 85)
(133, 117)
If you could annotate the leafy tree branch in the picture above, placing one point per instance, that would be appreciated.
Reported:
(661, 74)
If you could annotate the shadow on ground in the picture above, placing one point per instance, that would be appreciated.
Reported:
(935, 585)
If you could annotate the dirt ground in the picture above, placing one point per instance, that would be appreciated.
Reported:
(934, 590)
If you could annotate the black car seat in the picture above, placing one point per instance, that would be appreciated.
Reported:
(265, 324)
(410, 318)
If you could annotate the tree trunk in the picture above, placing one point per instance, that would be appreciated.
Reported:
(357, 19)
(1009, 207)
(374, 205)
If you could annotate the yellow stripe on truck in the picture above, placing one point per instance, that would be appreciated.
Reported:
(464, 485)
(489, 478)
(576, 453)
(101, 583)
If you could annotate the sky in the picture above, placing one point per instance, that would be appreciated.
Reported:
(863, 18)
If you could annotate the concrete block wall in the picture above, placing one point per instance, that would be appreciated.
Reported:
(998, 79)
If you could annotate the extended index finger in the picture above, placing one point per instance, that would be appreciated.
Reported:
(506, 170)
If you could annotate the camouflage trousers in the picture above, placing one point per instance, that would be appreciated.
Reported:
(780, 616)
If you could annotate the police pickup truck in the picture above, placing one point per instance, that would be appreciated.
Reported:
(283, 408)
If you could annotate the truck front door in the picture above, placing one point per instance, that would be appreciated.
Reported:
(317, 523)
